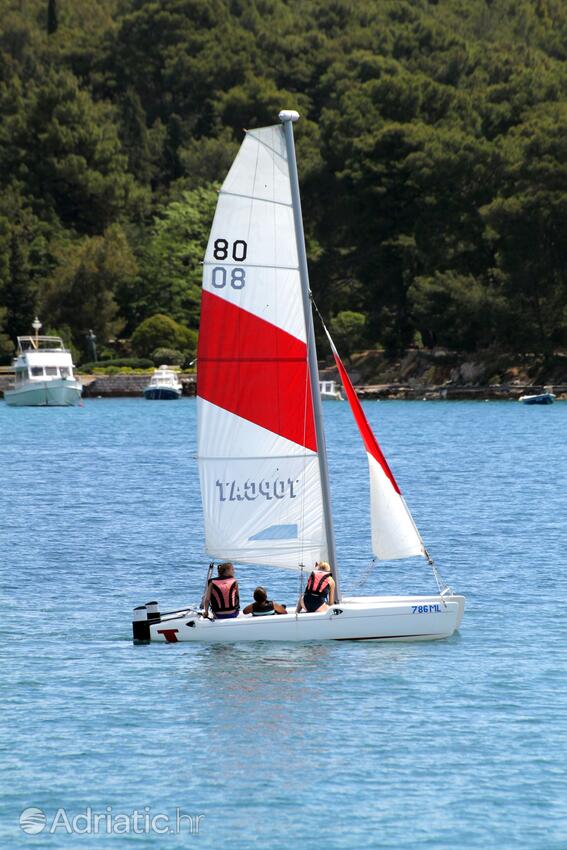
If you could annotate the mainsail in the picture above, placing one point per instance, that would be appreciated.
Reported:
(257, 446)
(394, 533)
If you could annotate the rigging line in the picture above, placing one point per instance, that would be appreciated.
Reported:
(366, 575)
(254, 198)
(300, 591)
(442, 585)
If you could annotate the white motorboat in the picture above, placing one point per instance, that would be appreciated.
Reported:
(164, 384)
(261, 441)
(43, 373)
(329, 391)
(540, 398)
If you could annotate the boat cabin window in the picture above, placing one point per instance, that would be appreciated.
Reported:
(64, 371)
(37, 371)
(51, 370)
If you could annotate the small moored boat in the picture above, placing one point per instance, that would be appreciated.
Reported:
(329, 391)
(164, 384)
(43, 373)
(541, 398)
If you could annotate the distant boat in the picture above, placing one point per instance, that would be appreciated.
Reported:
(260, 434)
(164, 384)
(44, 373)
(329, 391)
(541, 398)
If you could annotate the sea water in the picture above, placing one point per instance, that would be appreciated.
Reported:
(459, 743)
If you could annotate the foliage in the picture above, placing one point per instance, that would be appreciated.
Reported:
(81, 289)
(170, 261)
(431, 152)
(455, 311)
(348, 330)
(118, 363)
(6, 344)
(162, 331)
(168, 357)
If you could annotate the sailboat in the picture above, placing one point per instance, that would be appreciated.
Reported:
(261, 442)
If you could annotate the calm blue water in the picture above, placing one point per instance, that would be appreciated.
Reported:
(454, 744)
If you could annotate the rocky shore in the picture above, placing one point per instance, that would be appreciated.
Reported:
(415, 374)
(443, 374)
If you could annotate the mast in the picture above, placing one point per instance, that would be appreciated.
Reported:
(287, 117)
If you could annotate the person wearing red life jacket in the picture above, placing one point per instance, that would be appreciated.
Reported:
(222, 594)
(319, 590)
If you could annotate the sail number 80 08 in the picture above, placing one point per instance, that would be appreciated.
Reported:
(220, 275)
(239, 250)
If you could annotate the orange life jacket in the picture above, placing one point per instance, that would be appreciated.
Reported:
(318, 583)
(224, 595)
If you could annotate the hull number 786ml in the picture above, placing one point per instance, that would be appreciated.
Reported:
(425, 609)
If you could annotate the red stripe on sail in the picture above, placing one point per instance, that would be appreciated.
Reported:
(254, 369)
(370, 441)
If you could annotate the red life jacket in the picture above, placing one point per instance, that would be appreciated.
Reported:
(318, 583)
(224, 595)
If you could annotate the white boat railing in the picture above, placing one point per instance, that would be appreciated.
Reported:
(40, 343)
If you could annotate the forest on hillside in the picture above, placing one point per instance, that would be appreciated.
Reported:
(432, 153)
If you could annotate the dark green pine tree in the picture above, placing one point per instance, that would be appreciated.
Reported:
(134, 136)
(52, 17)
(20, 294)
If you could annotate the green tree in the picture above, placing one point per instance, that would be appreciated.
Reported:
(6, 344)
(80, 292)
(456, 310)
(65, 150)
(162, 331)
(348, 330)
(135, 137)
(52, 17)
(528, 227)
(170, 263)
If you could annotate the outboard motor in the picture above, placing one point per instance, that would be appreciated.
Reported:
(154, 615)
(140, 625)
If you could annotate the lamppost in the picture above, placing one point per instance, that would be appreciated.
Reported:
(36, 324)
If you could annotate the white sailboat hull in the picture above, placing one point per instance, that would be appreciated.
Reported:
(386, 618)
(54, 393)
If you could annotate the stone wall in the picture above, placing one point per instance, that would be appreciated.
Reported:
(111, 386)
(120, 386)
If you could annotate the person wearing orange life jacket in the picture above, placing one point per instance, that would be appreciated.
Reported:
(222, 594)
(319, 590)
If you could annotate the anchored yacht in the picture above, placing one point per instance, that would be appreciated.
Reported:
(44, 374)
(164, 384)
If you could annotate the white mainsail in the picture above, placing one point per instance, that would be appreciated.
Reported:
(257, 449)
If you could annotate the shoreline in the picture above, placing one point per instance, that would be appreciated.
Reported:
(131, 386)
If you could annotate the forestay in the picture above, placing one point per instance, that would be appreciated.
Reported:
(257, 450)
(394, 533)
